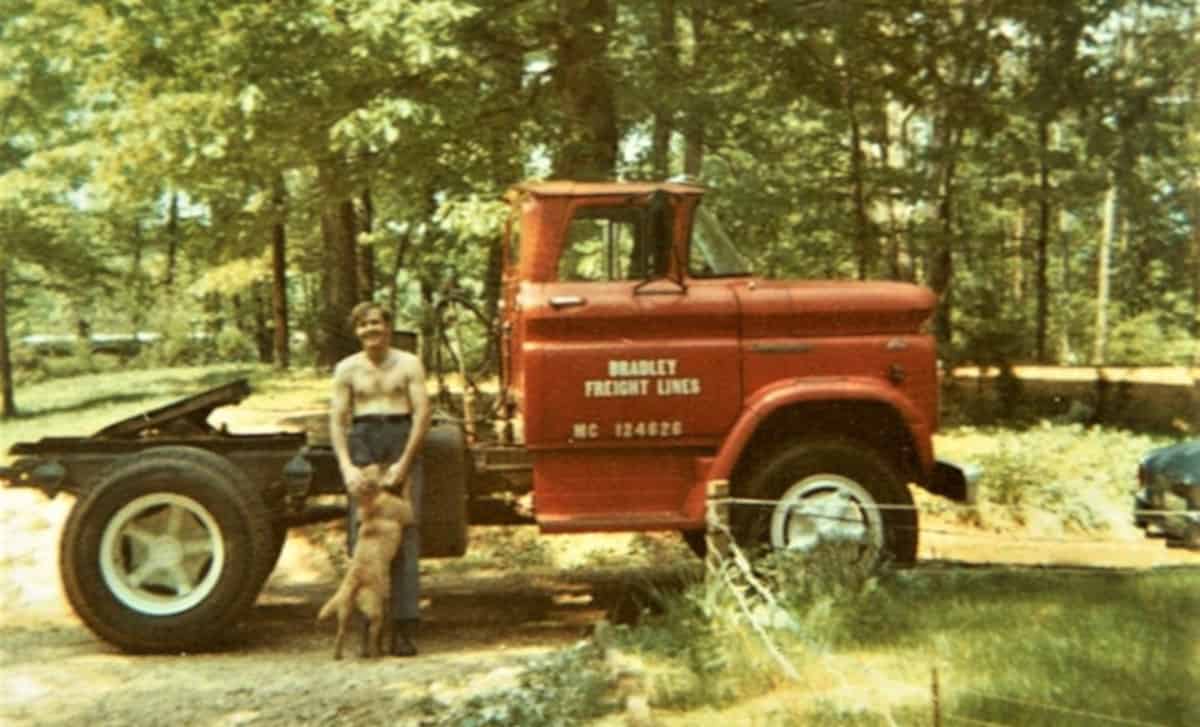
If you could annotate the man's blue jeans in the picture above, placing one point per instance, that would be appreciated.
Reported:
(381, 439)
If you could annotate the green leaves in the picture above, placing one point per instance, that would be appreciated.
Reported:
(845, 139)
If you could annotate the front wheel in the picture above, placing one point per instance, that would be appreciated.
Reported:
(831, 495)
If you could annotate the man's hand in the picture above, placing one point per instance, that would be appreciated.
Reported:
(395, 474)
(353, 477)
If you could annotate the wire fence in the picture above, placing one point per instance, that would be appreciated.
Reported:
(729, 567)
(970, 509)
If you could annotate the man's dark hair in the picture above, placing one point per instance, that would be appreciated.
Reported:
(361, 310)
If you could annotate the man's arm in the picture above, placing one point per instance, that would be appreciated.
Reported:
(418, 399)
(340, 413)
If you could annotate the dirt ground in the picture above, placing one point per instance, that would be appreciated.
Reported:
(277, 671)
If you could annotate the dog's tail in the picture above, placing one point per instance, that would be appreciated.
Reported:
(328, 609)
(344, 593)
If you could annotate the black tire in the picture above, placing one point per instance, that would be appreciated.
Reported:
(279, 536)
(167, 552)
(225, 468)
(447, 468)
(830, 493)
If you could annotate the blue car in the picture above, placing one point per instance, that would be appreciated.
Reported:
(1167, 503)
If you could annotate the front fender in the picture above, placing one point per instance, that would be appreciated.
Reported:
(842, 389)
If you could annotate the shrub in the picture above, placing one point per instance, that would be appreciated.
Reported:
(233, 344)
(1144, 341)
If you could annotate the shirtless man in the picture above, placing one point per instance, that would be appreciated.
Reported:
(380, 415)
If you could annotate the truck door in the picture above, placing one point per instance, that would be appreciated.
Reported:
(629, 377)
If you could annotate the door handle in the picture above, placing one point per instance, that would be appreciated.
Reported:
(559, 302)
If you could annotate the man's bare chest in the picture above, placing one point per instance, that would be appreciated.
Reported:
(371, 383)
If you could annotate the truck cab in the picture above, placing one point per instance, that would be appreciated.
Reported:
(644, 361)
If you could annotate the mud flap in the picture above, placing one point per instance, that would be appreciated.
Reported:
(954, 482)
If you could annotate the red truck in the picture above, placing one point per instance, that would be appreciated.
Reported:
(641, 361)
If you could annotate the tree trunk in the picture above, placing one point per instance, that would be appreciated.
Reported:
(693, 151)
(1196, 269)
(1195, 18)
(338, 231)
(8, 402)
(864, 242)
(491, 302)
(941, 258)
(366, 253)
(430, 346)
(1103, 273)
(584, 87)
(402, 245)
(888, 211)
(279, 297)
(134, 279)
(668, 58)
(263, 342)
(173, 239)
(1017, 257)
(1043, 241)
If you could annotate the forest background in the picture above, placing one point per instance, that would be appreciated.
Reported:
(228, 177)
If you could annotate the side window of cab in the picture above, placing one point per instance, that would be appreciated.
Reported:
(617, 243)
(600, 245)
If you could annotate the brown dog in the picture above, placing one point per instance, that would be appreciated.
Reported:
(367, 585)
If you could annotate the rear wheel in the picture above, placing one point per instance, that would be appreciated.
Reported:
(446, 468)
(223, 467)
(833, 495)
(165, 553)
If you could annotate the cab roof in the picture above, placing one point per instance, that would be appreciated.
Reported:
(565, 188)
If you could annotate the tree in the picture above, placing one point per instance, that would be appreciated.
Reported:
(583, 85)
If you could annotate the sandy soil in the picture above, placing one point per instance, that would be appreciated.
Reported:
(278, 669)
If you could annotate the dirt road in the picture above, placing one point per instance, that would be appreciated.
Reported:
(277, 670)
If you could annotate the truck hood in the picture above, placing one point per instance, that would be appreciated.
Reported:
(832, 308)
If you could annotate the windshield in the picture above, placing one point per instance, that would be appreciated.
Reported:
(713, 254)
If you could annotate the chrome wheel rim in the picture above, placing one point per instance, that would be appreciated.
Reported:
(161, 554)
(828, 510)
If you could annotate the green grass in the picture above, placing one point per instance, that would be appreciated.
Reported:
(1119, 644)
(81, 405)
(1027, 647)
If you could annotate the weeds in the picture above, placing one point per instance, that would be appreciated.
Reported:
(1082, 475)
(559, 690)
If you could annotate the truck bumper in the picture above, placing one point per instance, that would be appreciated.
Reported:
(955, 482)
(1167, 516)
